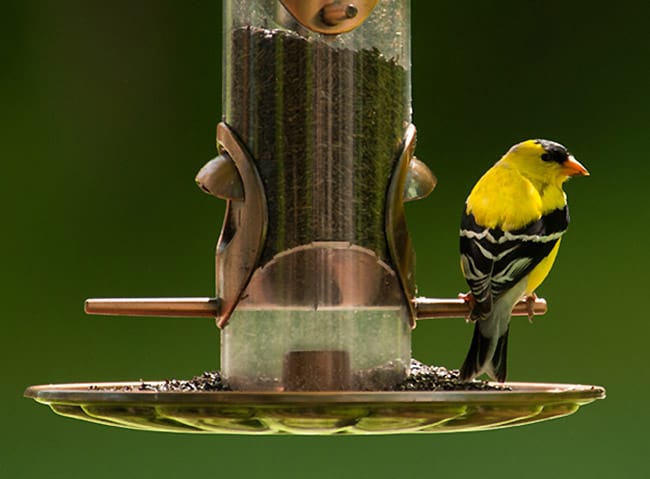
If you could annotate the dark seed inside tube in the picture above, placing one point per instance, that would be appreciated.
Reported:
(316, 371)
(324, 125)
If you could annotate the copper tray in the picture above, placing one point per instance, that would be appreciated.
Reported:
(351, 412)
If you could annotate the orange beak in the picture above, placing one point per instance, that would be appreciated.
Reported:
(573, 167)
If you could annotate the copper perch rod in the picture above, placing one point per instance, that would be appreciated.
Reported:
(433, 308)
(176, 307)
(427, 308)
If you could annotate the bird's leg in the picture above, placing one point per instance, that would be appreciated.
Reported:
(530, 306)
(470, 301)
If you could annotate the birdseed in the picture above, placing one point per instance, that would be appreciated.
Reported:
(421, 378)
(438, 378)
(324, 126)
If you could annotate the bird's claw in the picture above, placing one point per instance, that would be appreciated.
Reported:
(469, 300)
(530, 306)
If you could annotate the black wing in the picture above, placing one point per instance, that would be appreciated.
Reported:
(494, 261)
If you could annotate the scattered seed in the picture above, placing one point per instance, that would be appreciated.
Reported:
(421, 378)
(437, 378)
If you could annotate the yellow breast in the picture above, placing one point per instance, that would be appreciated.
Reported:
(539, 273)
(504, 199)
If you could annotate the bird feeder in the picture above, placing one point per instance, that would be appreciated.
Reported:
(315, 287)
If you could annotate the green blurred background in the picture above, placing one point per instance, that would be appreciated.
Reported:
(108, 111)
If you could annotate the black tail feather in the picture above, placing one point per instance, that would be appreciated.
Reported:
(479, 360)
(500, 358)
(476, 355)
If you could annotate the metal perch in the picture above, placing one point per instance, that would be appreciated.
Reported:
(426, 308)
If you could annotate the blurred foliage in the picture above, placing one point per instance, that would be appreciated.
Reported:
(109, 109)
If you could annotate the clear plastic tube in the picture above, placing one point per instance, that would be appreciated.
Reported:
(323, 118)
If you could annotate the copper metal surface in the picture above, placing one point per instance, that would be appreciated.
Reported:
(420, 182)
(323, 274)
(244, 228)
(314, 413)
(397, 235)
(330, 17)
(175, 307)
(432, 308)
(219, 177)
(426, 308)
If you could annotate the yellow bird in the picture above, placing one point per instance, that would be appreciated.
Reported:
(510, 233)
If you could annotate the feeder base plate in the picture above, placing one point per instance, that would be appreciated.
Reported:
(383, 412)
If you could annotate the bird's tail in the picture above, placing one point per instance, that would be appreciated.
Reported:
(487, 354)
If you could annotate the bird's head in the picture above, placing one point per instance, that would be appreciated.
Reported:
(543, 161)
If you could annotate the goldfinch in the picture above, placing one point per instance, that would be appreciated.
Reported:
(510, 233)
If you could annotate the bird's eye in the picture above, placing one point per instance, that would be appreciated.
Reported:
(552, 151)
(556, 155)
